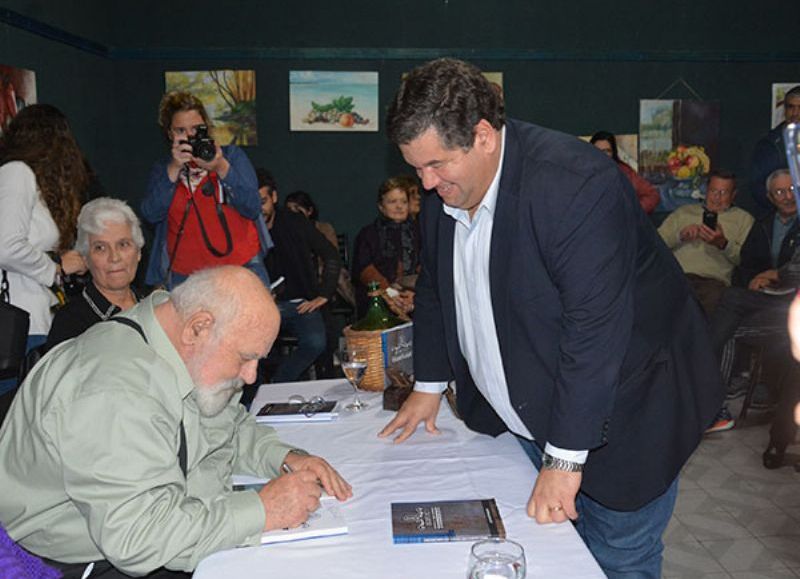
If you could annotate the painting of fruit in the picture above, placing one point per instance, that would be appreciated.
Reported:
(333, 101)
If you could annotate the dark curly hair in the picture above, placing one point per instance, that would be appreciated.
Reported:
(40, 137)
(451, 96)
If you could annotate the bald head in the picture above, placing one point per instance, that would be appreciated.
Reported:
(234, 296)
(221, 321)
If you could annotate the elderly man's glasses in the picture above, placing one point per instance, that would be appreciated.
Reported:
(784, 192)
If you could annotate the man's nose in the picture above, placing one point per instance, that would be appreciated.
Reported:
(429, 178)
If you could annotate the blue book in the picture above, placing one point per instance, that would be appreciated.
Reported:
(442, 521)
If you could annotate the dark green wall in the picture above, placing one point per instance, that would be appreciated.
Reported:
(576, 67)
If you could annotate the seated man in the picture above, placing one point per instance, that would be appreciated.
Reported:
(708, 256)
(766, 265)
(120, 444)
(298, 246)
(110, 240)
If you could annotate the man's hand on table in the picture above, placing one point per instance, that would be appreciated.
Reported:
(325, 474)
(553, 496)
(419, 407)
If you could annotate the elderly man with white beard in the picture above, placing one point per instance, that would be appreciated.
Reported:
(120, 445)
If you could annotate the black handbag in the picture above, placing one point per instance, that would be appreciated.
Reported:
(15, 323)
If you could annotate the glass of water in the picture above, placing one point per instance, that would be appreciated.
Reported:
(354, 365)
(496, 559)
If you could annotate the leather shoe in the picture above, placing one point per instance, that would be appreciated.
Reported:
(773, 456)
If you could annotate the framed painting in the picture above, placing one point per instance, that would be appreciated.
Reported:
(229, 97)
(333, 101)
(17, 90)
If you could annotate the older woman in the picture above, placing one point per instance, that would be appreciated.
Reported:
(110, 241)
(387, 250)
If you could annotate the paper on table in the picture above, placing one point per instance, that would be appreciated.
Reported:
(326, 521)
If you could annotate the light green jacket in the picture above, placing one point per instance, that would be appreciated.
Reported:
(89, 456)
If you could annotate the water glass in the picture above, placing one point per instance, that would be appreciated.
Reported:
(496, 559)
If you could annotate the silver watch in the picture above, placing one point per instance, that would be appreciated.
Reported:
(550, 462)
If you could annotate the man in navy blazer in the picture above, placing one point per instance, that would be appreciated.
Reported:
(549, 298)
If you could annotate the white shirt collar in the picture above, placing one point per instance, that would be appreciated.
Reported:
(489, 201)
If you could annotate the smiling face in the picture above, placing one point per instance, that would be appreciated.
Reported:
(461, 178)
(394, 205)
(781, 194)
(720, 194)
(113, 257)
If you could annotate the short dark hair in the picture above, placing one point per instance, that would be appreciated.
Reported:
(305, 201)
(265, 179)
(610, 139)
(451, 96)
(793, 92)
(723, 174)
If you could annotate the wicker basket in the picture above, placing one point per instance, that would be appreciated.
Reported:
(374, 379)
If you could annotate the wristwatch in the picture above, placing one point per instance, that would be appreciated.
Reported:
(550, 462)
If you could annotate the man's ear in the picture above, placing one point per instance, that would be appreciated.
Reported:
(197, 328)
(486, 137)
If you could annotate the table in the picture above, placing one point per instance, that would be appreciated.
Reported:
(458, 464)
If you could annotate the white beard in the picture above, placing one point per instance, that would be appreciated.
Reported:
(211, 400)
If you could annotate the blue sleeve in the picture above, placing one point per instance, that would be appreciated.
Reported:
(160, 191)
(241, 184)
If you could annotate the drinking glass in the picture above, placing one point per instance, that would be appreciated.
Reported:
(496, 559)
(354, 365)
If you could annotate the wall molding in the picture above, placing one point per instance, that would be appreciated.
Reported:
(55, 34)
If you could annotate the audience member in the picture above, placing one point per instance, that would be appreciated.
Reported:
(203, 200)
(120, 445)
(298, 245)
(548, 297)
(41, 179)
(708, 255)
(647, 194)
(387, 250)
(110, 241)
(301, 202)
(753, 301)
(411, 184)
(770, 153)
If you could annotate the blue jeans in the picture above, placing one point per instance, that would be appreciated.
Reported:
(256, 265)
(309, 329)
(626, 544)
(34, 340)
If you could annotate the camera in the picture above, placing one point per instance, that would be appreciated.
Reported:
(203, 146)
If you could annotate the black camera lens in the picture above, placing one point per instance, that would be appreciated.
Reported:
(203, 146)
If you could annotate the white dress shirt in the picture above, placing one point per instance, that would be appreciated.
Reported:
(477, 333)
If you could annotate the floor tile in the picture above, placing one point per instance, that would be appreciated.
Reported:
(767, 574)
(714, 526)
(676, 532)
(696, 501)
(768, 522)
(743, 555)
(787, 549)
(689, 559)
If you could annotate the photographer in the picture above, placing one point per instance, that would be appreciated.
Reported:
(203, 200)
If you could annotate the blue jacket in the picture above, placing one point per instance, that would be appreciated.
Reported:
(241, 192)
(603, 345)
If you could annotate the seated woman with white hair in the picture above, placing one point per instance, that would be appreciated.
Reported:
(110, 240)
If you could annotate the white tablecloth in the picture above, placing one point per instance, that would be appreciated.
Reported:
(458, 464)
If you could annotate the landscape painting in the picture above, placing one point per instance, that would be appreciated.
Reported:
(333, 101)
(229, 97)
(17, 90)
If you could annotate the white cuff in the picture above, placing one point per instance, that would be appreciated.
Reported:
(430, 387)
(578, 456)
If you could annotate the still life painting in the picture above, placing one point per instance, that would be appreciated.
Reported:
(333, 101)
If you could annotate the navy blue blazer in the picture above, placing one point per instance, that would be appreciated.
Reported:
(603, 345)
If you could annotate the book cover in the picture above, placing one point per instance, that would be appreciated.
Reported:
(275, 412)
(326, 521)
(397, 345)
(438, 521)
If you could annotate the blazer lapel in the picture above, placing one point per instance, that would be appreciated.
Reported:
(504, 234)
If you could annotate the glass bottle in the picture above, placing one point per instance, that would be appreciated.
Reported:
(378, 316)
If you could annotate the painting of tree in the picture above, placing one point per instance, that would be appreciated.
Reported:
(229, 97)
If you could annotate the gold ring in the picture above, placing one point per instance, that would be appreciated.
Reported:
(556, 508)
